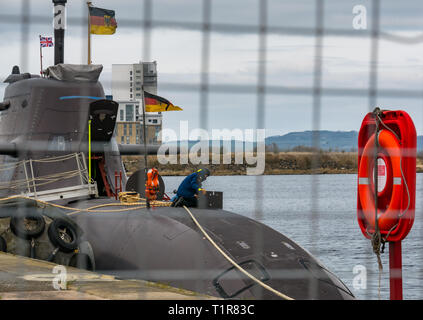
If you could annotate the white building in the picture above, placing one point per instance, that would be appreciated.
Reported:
(127, 83)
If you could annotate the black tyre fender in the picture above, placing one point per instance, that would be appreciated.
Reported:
(81, 261)
(3, 244)
(18, 228)
(86, 249)
(136, 182)
(63, 228)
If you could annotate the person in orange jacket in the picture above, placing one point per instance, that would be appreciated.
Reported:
(152, 186)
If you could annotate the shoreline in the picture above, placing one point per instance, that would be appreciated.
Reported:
(282, 163)
(164, 173)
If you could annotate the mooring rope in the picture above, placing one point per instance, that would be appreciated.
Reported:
(131, 205)
(283, 296)
(377, 238)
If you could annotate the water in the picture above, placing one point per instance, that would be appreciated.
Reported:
(327, 228)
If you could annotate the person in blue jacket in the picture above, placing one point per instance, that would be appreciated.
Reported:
(189, 189)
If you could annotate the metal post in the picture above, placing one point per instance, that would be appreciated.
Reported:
(41, 58)
(33, 178)
(89, 151)
(59, 30)
(89, 32)
(84, 165)
(145, 146)
(116, 191)
(26, 176)
(120, 181)
(79, 168)
(395, 270)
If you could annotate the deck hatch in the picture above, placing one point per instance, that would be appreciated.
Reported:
(232, 282)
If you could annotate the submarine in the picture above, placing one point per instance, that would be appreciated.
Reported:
(52, 128)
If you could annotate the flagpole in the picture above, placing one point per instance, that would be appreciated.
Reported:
(145, 144)
(41, 58)
(89, 32)
(89, 151)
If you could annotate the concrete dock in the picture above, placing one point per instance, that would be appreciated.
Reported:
(24, 278)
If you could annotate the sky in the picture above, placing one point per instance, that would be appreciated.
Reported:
(234, 57)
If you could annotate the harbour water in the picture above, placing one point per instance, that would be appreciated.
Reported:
(319, 213)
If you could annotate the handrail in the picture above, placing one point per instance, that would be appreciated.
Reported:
(31, 183)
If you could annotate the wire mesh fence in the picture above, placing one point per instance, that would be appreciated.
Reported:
(320, 214)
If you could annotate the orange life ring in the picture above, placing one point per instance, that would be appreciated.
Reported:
(389, 150)
(152, 184)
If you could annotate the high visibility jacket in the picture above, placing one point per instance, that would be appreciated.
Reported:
(152, 185)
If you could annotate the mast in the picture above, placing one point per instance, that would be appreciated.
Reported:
(59, 30)
(41, 58)
(89, 32)
(147, 200)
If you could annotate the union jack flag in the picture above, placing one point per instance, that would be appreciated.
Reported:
(46, 42)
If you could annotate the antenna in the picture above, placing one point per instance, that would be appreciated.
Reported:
(59, 30)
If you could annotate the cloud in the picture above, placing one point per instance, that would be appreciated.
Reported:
(234, 58)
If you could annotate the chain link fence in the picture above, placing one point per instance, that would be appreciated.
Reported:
(324, 224)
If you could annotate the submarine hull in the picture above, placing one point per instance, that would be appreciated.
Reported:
(164, 245)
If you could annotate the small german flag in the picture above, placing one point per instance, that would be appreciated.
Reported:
(102, 21)
(155, 103)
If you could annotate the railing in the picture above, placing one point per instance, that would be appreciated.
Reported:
(52, 186)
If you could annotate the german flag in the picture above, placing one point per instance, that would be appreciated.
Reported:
(102, 21)
(155, 103)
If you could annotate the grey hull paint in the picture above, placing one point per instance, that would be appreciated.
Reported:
(38, 113)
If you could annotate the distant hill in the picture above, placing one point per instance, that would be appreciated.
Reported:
(328, 140)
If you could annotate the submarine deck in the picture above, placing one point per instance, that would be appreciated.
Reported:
(23, 278)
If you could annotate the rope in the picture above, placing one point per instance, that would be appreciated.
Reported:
(41, 180)
(283, 296)
(55, 159)
(402, 175)
(129, 197)
(133, 205)
(6, 166)
(377, 238)
(403, 178)
(140, 205)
